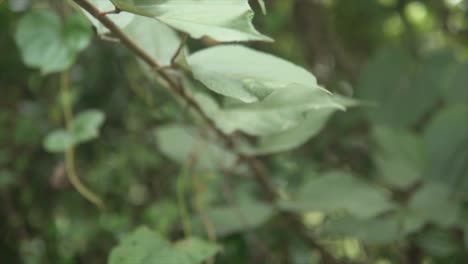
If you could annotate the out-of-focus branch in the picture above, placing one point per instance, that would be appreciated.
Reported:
(70, 152)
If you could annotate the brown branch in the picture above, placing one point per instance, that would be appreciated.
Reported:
(183, 41)
(256, 167)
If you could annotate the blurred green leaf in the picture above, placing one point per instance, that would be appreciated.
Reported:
(402, 157)
(144, 246)
(437, 243)
(180, 143)
(435, 203)
(375, 231)
(85, 125)
(233, 219)
(48, 45)
(403, 89)
(197, 249)
(294, 137)
(350, 194)
(446, 137)
(162, 215)
(158, 40)
(58, 141)
(454, 88)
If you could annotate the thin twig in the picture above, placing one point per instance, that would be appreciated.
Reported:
(70, 152)
(255, 166)
(183, 40)
(199, 207)
(181, 188)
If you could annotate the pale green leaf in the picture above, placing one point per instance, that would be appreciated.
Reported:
(196, 249)
(146, 247)
(282, 110)
(233, 219)
(438, 243)
(395, 82)
(247, 75)
(158, 40)
(294, 137)
(121, 19)
(348, 194)
(454, 88)
(222, 20)
(434, 203)
(58, 141)
(76, 33)
(446, 137)
(376, 231)
(180, 143)
(402, 157)
(85, 125)
(47, 44)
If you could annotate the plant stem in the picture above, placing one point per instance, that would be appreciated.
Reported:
(181, 187)
(70, 152)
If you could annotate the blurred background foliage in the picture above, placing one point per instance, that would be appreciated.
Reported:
(386, 182)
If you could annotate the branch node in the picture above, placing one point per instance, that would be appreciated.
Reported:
(116, 10)
(183, 40)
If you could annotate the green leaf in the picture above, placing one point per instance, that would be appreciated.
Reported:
(162, 215)
(46, 44)
(350, 194)
(438, 243)
(85, 126)
(446, 137)
(375, 231)
(222, 20)
(435, 203)
(121, 19)
(144, 246)
(234, 219)
(401, 159)
(180, 143)
(247, 75)
(314, 120)
(285, 120)
(58, 141)
(282, 110)
(395, 81)
(198, 250)
(454, 88)
(158, 40)
(294, 137)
